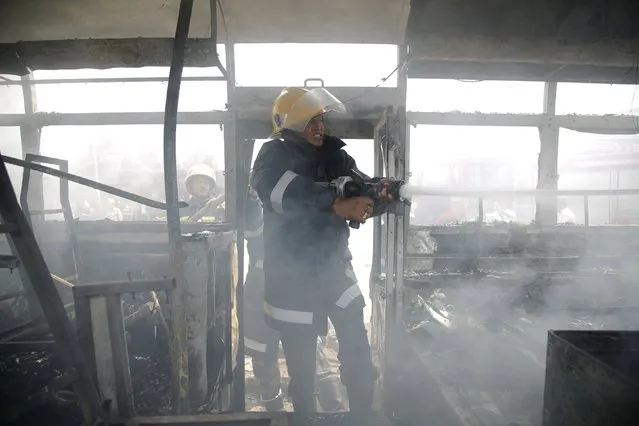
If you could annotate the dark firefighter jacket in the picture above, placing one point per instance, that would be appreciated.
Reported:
(306, 261)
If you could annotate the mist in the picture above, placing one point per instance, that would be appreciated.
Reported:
(480, 300)
(480, 324)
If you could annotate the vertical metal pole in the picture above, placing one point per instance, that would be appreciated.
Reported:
(388, 325)
(231, 161)
(179, 355)
(230, 139)
(376, 266)
(30, 135)
(398, 149)
(376, 283)
(548, 176)
(244, 156)
(30, 141)
(403, 173)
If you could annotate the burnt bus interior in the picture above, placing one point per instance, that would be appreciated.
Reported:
(475, 321)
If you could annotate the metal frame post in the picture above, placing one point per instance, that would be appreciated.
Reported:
(179, 355)
(228, 397)
(548, 177)
(30, 134)
(377, 281)
(391, 136)
(30, 144)
(402, 172)
(391, 269)
(230, 139)
(244, 150)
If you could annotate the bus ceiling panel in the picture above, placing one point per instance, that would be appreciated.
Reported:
(586, 41)
(243, 21)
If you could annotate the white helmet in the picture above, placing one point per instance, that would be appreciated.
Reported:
(201, 170)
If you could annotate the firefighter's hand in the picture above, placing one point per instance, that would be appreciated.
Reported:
(357, 208)
(385, 196)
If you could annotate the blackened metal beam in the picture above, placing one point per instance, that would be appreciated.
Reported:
(19, 58)
(525, 50)
(465, 70)
(121, 287)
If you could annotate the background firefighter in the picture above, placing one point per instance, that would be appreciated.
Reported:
(308, 272)
(261, 341)
(204, 204)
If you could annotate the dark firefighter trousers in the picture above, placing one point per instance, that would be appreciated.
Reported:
(262, 345)
(267, 372)
(356, 368)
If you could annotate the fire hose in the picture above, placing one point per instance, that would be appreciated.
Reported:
(402, 191)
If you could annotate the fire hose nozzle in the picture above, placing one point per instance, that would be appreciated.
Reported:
(346, 187)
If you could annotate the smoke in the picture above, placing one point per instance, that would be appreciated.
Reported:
(480, 319)
(126, 157)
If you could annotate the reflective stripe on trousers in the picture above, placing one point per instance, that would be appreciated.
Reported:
(255, 233)
(288, 315)
(277, 194)
(254, 345)
(351, 293)
(202, 219)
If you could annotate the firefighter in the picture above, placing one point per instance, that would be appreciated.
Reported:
(307, 263)
(204, 206)
(261, 341)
